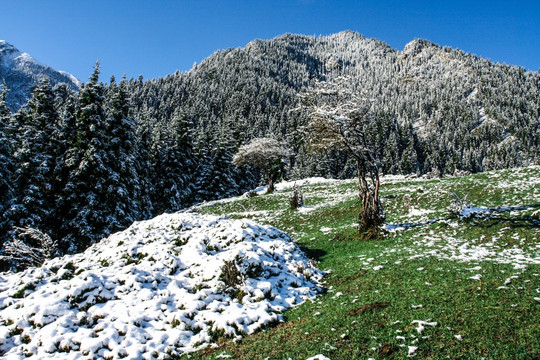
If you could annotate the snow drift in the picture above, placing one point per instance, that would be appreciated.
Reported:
(167, 285)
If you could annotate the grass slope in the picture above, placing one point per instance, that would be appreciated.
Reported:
(438, 286)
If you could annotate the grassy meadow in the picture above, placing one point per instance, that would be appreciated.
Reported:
(438, 286)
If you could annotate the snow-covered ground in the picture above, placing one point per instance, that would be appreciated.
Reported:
(167, 285)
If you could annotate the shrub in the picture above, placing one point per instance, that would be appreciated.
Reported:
(297, 198)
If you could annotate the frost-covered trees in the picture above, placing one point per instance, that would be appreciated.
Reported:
(30, 247)
(35, 158)
(123, 181)
(6, 167)
(267, 154)
(87, 186)
(425, 93)
(173, 164)
(339, 119)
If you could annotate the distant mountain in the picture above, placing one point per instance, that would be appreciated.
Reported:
(20, 72)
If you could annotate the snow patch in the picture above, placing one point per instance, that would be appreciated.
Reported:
(170, 284)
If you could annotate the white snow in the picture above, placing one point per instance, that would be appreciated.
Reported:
(419, 212)
(288, 185)
(421, 325)
(158, 286)
(412, 351)
(318, 357)
(71, 77)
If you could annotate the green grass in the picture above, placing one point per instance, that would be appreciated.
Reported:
(476, 278)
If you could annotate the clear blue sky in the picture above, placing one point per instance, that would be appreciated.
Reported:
(155, 38)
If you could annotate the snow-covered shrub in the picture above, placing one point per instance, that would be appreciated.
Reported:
(231, 276)
(251, 194)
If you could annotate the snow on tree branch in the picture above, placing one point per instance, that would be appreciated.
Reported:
(267, 154)
(18, 251)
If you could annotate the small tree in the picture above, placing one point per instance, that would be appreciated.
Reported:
(297, 198)
(339, 120)
(265, 153)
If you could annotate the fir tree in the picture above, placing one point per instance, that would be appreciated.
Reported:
(6, 168)
(123, 183)
(87, 185)
(35, 160)
(174, 165)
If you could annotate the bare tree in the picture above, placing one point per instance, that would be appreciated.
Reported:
(265, 153)
(338, 120)
(21, 254)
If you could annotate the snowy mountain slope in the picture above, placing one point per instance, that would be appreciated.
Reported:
(428, 100)
(165, 285)
(20, 71)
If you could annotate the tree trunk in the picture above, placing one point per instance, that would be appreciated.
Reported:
(370, 216)
(270, 188)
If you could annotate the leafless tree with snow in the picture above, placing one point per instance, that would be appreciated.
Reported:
(31, 248)
(338, 120)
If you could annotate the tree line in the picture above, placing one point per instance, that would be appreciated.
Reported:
(77, 166)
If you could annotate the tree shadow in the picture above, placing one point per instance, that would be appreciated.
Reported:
(313, 254)
(484, 217)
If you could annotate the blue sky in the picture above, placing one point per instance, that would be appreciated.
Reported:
(156, 38)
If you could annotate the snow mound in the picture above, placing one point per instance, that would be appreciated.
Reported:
(164, 286)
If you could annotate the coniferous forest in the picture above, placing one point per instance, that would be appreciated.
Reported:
(78, 166)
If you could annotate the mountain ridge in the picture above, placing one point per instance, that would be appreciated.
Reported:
(20, 72)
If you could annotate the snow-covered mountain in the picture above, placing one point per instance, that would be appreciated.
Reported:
(20, 72)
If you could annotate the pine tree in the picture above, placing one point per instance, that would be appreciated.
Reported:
(174, 165)
(86, 188)
(6, 169)
(218, 180)
(146, 171)
(123, 183)
(66, 103)
(35, 161)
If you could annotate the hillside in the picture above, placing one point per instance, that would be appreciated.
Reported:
(20, 73)
(441, 283)
(438, 109)
(98, 159)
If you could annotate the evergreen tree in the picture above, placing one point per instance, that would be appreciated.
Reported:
(87, 186)
(146, 171)
(35, 161)
(218, 179)
(174, 165)
(6, 169)
(123, 183)
(66, 104)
